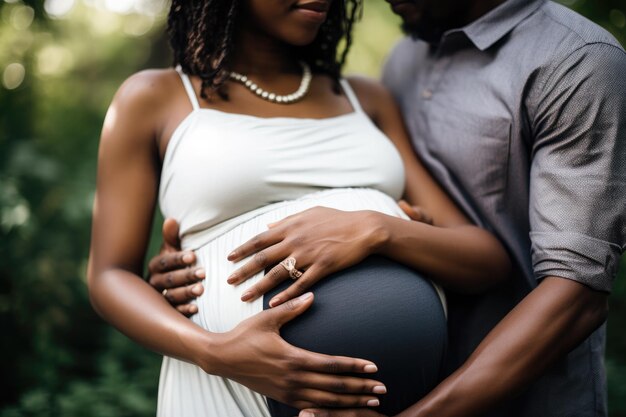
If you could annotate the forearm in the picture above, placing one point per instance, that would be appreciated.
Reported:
(463, 258)
(137, 310)
(546, 325)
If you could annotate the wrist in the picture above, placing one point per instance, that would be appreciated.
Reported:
(205, 347)
(379, 234)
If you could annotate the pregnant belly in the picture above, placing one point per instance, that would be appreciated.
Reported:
(381, 311)
(377, 310)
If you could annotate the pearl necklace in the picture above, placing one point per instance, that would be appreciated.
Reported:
(302, 91)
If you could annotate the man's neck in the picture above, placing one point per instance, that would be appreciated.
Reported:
(479, 8)
(452, 16)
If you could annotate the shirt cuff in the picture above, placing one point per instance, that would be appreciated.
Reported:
(590, 261)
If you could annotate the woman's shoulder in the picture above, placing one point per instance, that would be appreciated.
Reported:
(373, 96)
(140, 106)
(148, 89)
(145, 100)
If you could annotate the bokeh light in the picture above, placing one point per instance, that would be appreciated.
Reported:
(22, 17)
(58, 8)
(54, 60)
(13, 75)
(120, 6)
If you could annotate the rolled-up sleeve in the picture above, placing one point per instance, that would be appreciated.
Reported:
(578, 174)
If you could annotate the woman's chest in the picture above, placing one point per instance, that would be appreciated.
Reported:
(241, 164)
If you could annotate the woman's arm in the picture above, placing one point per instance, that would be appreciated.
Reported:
(127, 180)
(451, 251)
(253, 353)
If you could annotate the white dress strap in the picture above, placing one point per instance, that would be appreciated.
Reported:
(188, 88)
(352, 98)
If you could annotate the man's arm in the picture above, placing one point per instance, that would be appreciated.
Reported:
(552, 320)
(546, 325)
(578, 231)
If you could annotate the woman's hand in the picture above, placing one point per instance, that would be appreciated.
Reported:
(175, 271)
(255, 355)
(321, 240)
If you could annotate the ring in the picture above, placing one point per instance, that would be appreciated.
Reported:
(290, 265)
(164, 292)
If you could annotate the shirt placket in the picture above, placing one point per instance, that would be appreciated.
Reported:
(427, 92)
(436, 72)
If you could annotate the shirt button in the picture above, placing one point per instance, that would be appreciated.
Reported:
(427, 94)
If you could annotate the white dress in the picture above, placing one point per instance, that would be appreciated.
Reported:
(225, 177)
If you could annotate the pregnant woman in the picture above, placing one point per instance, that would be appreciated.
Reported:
(255, 124)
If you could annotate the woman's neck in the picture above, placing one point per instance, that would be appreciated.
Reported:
(259, 54)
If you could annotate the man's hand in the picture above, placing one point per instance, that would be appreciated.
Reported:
(415, 213)
(354, 412)
(173, 273)
(255, 355)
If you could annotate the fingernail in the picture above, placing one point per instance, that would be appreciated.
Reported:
(306, 414)
(306, 296)
(188, 258)
(193, 309)
(197, 289)
(370, 368)
(373, 403)
(246, 296)
(274, 302)
(200, 273)
(231, 279)
(231, 255)
(379, 389)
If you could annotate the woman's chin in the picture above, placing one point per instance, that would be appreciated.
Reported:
(303, 39)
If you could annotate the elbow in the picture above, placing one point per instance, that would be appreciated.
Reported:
(491, 264)
(502, 269)
(583, 306)
(482, 276)
(496, 271)
(91, 281)
(589, 306)
(93, 287)
(595, 308)
(92, 291)
(602, 314)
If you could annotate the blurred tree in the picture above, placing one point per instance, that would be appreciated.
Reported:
(60, 63)
(59, 72)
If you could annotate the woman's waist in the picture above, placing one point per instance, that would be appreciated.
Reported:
(347, 199)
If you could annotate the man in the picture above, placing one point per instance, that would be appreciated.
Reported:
(518, 108)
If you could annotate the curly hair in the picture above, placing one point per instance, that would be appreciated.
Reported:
(201, 34)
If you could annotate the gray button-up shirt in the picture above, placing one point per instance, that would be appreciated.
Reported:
(521, 116)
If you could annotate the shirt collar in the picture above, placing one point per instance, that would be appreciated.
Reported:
(497, 23)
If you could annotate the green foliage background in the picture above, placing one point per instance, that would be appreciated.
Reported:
(57, 358)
